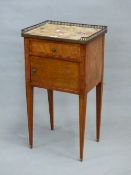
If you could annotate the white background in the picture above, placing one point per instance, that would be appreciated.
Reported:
(57, 152)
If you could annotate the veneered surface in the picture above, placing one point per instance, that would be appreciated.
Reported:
(54, 73)
(94, 62)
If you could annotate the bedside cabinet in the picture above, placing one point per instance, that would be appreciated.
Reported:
(67, 57)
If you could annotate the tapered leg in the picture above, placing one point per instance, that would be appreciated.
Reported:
(50, 101)
(82, 117)
(29, 100)
(99, 89)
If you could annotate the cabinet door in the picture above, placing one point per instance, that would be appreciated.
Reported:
(55, 74)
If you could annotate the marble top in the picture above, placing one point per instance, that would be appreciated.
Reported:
(63, 31)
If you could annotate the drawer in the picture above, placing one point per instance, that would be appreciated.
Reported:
(55, 49)
(55, 74)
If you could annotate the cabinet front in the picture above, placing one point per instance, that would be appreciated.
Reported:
(54, 74)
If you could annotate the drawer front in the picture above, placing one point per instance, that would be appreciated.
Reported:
(53, 73)
(55, 49)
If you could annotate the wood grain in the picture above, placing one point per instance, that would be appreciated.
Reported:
(44, 48)
(82, 117)
(29, 92)
(99, 91)
(93, 63)
(56, 73)
(50, 101)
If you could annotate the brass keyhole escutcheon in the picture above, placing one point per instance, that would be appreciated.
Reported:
(53, 50)
(34, 70)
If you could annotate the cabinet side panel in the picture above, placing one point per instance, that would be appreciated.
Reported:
(94, 62)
